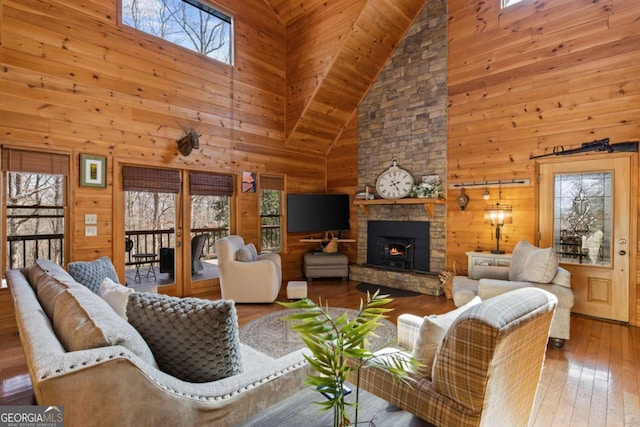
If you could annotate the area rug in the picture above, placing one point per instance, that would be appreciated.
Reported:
(274, 337)
(385, 290)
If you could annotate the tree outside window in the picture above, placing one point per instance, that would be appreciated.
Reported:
(191, 24)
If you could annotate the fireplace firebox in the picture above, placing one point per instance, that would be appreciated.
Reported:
(398, 245)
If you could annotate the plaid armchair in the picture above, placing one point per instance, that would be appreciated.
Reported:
(486, 368)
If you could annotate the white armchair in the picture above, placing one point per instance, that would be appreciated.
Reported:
(251, 281)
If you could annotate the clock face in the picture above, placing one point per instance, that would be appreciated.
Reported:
(394, 183)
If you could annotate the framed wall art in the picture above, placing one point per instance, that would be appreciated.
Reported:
(93, 171)
(248, 182)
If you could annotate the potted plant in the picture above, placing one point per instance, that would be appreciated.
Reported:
(338, 347)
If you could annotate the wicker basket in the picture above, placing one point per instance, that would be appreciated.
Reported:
(330, 242)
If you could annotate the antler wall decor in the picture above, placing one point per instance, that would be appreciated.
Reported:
(188, 142)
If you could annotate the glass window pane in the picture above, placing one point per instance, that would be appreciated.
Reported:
(583, 218)
(271, 220)
(191, 24)
(35, 218)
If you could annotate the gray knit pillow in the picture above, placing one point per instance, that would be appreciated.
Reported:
(193, 339)
(92, 273)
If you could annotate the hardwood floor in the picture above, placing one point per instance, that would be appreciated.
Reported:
(593, 381)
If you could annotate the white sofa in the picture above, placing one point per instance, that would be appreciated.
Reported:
(530, 267)
(118, 384)
(245, 276)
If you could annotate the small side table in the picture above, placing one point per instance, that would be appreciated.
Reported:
(141, 260)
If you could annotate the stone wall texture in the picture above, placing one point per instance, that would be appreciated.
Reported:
(404, 116)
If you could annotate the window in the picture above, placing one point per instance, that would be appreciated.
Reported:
(271, 190)
(507, 3)
(210, 207)
(191, 24)
(35, 192)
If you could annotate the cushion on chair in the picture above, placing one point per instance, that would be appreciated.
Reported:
(193, 339)
(431, 332)
(562, 278)
(92, 273)
(532, 264)
(247, 253)
(115, 295)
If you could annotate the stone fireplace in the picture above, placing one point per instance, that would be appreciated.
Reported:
(404, 116)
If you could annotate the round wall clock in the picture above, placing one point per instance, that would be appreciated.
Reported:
(395, 182)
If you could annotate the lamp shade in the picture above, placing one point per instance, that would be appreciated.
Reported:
(498, 214)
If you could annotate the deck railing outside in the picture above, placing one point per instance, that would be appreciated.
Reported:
(24, 250)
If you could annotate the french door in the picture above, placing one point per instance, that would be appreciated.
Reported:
(584, 213)
(171, 219)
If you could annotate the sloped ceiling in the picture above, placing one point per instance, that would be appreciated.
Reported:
(335, 51)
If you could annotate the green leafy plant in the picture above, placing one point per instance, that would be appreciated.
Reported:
(338, 347)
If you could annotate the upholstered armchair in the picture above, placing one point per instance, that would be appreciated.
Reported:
(246, 276)
(482, 361)
(530, 267)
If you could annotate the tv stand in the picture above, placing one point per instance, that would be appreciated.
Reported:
(314, 240)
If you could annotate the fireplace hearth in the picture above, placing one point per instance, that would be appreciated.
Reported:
(398, 245)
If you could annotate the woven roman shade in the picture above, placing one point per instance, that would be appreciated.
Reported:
(34, 162)
(210, 184)
(271, 183)
(151, 180)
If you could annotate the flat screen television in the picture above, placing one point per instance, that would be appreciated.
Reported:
(308, 213)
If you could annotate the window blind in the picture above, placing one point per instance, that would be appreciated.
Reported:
(152, 180)
(34, 162)
(210, 184)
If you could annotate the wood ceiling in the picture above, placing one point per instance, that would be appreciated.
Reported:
(335, 51)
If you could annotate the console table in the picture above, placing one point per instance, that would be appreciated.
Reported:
(483, 258)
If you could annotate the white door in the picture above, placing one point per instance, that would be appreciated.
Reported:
(585, 208)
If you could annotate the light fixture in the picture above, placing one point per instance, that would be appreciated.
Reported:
(486, 194)
(498, 215)
(463, 199)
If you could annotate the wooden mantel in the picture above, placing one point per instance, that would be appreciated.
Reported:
(427, 203)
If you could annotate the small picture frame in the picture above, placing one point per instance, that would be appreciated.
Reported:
(430, 179)
(248, 182)
(93, 171)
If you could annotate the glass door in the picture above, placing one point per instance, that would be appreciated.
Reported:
(151, 224)
(585, 216)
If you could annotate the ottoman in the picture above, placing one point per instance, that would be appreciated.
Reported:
(322, 264)
(297, 289)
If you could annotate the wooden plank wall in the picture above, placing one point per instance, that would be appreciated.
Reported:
(74, 80)
(526, 79)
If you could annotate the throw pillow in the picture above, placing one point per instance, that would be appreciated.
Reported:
(193, 339)
(92, 273)
(247, 253)
(49, 280)
(533, 264)
(519, 259)
(432, 330)
(116, 295)
(83, 321)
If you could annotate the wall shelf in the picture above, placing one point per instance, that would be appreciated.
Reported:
(427, 203)
(312, 240)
